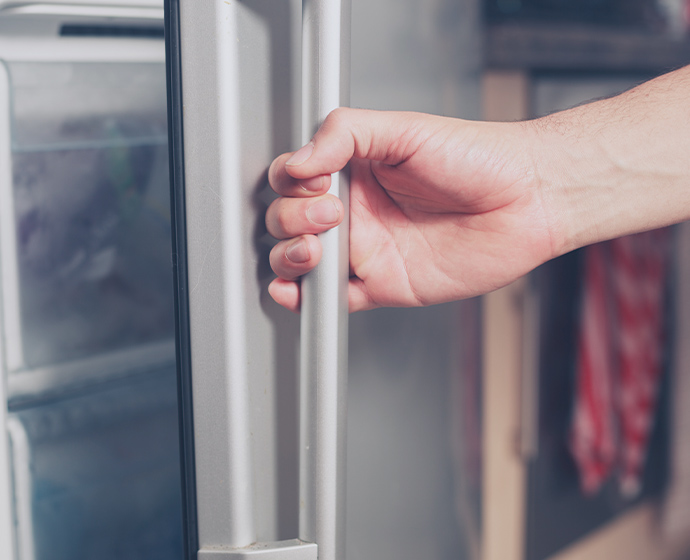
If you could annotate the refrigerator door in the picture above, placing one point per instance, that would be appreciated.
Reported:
(232, 69)
(253, 477)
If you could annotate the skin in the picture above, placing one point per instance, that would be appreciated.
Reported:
(443, 209)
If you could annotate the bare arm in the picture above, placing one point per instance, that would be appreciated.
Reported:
(618, 166)
(443, 209)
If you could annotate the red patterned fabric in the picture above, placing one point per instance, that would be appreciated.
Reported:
(619, 362)
(592, 440)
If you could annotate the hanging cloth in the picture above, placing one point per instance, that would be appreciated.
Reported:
(619, 358)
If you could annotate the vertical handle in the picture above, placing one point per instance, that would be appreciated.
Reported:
(323, 366)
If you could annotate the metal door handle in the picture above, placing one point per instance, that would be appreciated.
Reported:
(323, 351)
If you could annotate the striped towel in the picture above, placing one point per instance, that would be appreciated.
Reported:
(619, 358)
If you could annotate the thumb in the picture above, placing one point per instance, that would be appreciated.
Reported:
(376, 135)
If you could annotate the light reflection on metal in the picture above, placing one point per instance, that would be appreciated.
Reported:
(323, 366)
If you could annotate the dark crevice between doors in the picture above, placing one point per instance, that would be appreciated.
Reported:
(179, 263)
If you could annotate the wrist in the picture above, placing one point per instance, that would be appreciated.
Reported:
(572, 173)
(616, 166)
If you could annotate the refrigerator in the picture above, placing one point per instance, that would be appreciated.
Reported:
(154, 407)
(247, 80)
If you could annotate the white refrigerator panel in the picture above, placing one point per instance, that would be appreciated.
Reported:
(237, 62)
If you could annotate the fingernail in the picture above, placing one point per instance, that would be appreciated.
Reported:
(301, 155)
(314, 184)
(298, 252)
(323, 213)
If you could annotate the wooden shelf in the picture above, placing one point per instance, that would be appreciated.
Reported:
(542, 47)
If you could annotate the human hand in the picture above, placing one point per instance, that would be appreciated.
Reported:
(444, 209)
(440, 209)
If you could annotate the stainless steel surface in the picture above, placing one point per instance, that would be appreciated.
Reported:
(323, 365)
(418, 56)
(236, 72)
(401, 471)
(401, 478)
(282, 550)
(222, 433)
(414, 56)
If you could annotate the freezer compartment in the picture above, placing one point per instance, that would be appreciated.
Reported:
(91, 210)
(63, 104)
(97, 475)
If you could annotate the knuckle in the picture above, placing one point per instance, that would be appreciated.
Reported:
(338, 116)
(283, 220)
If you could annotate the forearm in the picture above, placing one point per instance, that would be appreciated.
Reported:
(616, 166)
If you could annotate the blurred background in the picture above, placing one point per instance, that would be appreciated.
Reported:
(539, 467)
(518, 426)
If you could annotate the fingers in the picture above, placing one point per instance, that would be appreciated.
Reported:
(286, 185)
(290, 217)
(303, 178)
(292, 258)
(389, 137)
(287, 293)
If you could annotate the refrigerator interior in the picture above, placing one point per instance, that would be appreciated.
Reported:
(96, 475)
(90, 192)
(88, 314)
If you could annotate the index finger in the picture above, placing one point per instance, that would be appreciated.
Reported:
(388, 137)
(286, 185)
